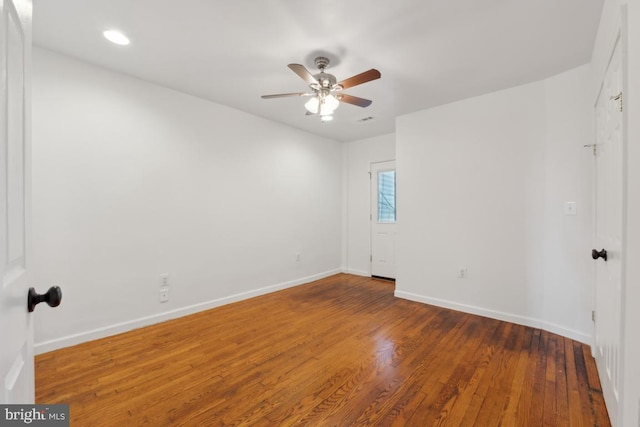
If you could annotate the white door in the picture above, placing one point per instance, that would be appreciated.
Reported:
(16, 348)
(383, 219)
(608, 233)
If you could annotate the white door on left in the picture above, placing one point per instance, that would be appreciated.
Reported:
(16, 340)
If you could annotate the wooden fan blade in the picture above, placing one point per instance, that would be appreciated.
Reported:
(349, 99)
(303, 73)
(367, 76)
(285, 95)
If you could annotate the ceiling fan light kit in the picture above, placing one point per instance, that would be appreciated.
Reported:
(326, 93)
(323, 104)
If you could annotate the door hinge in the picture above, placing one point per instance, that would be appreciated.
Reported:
(370, 258)
(618, 98)
(593, 315)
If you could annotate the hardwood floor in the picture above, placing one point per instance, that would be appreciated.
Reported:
(337, 352)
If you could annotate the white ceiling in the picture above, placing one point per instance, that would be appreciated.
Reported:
(430, 52)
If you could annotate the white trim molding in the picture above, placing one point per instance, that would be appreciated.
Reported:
(356, 272)
(94, 334)
(499, 315)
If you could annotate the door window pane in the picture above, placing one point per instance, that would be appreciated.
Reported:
(387, 196)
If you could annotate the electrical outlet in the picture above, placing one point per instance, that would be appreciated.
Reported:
(164, 294)
(164, 279)
(462, 272)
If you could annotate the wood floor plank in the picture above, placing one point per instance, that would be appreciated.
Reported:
(454, 374)
(339, 351)
(592, 371)
(497, 392)
(590, 412)
(575, 406)
(472, 411)
(525, 411)
(510, 416)
(561, 392)
(550, 397)
(467, 403)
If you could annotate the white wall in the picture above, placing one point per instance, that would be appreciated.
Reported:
(359, 156)
(568, 173)
(617, 13)
(131, 180)
(482, 183)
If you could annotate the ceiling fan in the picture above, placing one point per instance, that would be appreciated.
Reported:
(326, 91)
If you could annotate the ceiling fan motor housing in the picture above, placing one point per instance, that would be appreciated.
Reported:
(326, 80)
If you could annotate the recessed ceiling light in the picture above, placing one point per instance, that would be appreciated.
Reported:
(116, 37)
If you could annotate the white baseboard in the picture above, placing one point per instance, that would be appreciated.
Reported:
(69, 340)
(568, 332)
(356, 272)
(499, 315)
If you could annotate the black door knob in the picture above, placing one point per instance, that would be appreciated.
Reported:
(599, 254)
(52, 297)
